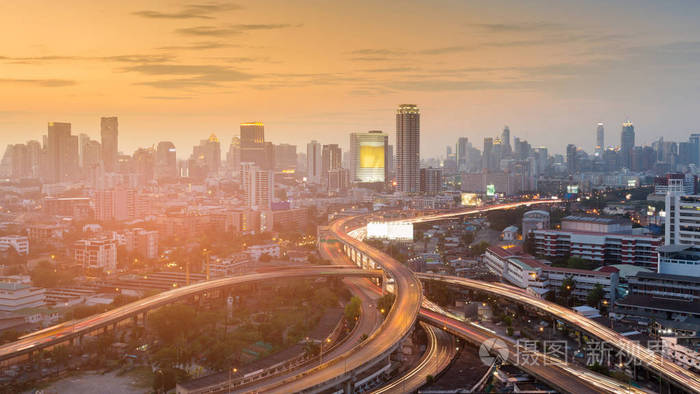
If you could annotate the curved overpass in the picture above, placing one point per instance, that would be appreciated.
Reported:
(668, 369)
(75, 329)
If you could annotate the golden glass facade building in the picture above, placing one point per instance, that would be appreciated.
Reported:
(368, 157)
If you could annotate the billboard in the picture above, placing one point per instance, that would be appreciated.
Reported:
(390, 230)
(491, 190)
(371, 156)
(572, 189)
(470, 200)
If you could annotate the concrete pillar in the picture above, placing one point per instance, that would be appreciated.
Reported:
(349, 386)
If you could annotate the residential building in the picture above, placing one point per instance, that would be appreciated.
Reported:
(63, 153)
(15, 296)
(96, 253)
(331, 159)
(313, 162)
(109, 132)
(20, 243)
(431, 181)
(257, 185)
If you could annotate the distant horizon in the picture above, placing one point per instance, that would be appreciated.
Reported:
(182, 70)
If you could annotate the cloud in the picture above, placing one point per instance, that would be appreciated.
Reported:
(443, 50)
(50, 83)
(116, 58)
(167, 97)
(196, 75)
(389, 70)
(520, 27)
(199, 46)
(230, 30)
(190, 11)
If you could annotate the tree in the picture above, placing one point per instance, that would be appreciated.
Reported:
(353, 308)
(173, 321)
(478, 249)
(567, 288)
(529, 244)
(164, 380)
(596, 294)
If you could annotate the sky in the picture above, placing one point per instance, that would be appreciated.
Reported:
(320, 69)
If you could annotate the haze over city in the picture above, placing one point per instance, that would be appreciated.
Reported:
(182, 70)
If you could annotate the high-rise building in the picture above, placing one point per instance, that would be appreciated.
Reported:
(431, 181)
(109, 131)
(166, 160)
(331, 159)
(369, 157)
(571, 159)
(408, 148)
(681, 253)
(488, 159)
(207, 155)
(233, 157)
(116, 204)
(92, 153)
(62, 153)
(258, 186)
(96, 253)
(627, 143)
(144, 165)
(313, 160)
(694, 153)
(34, 152)
(462, 152)
(285, 157)
(599, 140)
(253, 148)
(505, 141)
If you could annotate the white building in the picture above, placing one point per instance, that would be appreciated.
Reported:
(509, 233)
(313, 162)
(255, 251)
(96, 253)
(681, 254)
(19, 242)
(258, 186)
(220, 267)
(369, 157)
(15, 296)
(684, 351)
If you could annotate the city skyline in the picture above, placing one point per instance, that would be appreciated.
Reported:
(183, 71)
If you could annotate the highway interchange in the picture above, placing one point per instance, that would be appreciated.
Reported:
(397, 325)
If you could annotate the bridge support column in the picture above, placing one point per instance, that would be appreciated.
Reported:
(349, 386)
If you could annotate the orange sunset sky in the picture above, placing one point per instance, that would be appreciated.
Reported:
(179, 71)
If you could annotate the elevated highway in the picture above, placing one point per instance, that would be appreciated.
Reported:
(77, 328)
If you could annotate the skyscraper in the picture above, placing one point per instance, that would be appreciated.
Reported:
(408, 148)
(369, 157)
(285, 157)
(488, 159)
(331, 159)
(505, 141)
(166, 160)
(694, 141)
(463, 146)
(233, 157)
(258, 186)
(62, 153)
(627, 144)
(313, 162)
(109, 131)
(571, 162)
(208, 154)
(253, 148)
(599, 140)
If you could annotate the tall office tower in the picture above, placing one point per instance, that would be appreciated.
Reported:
(269, 159)
(82, 142)
(109, 131)
(462, 150)
(431, 181)
(599, 140)
(448, 152)
(233, 157)
(694, 141)
(253, 144)
(571, 162)
(207, 155)
(331, 159)
(62, 153)
(166, 160)
(144, 165)
(92, 152)
(313, 162)
(505, 141)
(19, 163)
(369, 157)
(258, 186)
(34, 152)
(285, 157)
(487, 158)
(627, 143)
(408, 148)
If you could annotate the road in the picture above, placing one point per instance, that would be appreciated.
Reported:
(441, 349)
(65, 331)
(682, 377)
